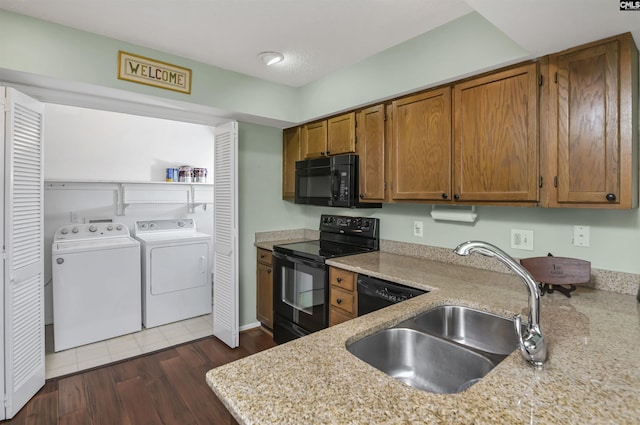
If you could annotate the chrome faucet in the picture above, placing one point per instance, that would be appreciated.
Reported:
(532, 344)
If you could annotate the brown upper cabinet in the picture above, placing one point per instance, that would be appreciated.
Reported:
(495, 137)
(329, 137)
(371, 152)
(314, 139)
(590, 129)
(291, 152)
(421, 146)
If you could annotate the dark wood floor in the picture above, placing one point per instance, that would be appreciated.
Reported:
(166, 388)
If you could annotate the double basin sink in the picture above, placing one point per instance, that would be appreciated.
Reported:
(444, 350)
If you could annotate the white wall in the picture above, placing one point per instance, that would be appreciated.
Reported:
(83, 143)
(90, 145)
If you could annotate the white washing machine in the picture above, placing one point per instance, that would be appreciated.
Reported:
(176, 270)
(96, 284)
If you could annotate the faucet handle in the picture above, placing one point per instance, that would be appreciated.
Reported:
(532, 345)
(517, 324)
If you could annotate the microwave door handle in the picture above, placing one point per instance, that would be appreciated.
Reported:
(335, 184)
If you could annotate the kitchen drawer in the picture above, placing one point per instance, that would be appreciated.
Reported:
(343, 300)
(343, 279)
(337, 316)
(265, 256)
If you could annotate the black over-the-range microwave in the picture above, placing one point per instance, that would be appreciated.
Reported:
(330, 182)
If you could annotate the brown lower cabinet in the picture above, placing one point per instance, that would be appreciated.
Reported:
(343, 296)
(264, 288)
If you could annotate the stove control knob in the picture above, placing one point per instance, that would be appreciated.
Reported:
(75, 230)
(93, 228)
(143, 225)
(119, 227)
(109, 227)
(153, 225)
(64, 231)
(180, 223)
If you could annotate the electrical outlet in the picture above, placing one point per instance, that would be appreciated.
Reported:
(418, 227)
(581, 236)
(522, 239)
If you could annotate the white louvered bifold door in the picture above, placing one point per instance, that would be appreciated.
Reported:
(23, 240)
(225, 235)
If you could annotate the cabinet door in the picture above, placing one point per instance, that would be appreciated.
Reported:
(264, 302)
(594, 133)
(496, 137)
(370, 147)
(341, 134)
(421, 146)
(314, 139)
(290, 154)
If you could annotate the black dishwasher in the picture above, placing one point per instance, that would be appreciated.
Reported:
(374, 293)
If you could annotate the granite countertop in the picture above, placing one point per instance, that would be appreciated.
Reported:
(592, 375)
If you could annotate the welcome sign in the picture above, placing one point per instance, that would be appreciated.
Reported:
(139, 69)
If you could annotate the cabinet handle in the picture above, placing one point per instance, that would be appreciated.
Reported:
(339, 279)
(445, 196)
(339, 300)
(362, 196)
(262, 256)
(321, 153)
(328, 152)
(456, 196)
(611, 196)
(268, 270)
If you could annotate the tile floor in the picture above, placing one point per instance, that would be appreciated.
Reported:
(122, 347)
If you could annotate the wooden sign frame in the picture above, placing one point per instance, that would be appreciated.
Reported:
(142, 70)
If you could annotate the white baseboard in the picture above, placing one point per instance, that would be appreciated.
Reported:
(250, 326)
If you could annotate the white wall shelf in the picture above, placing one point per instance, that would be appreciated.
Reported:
(134, 192)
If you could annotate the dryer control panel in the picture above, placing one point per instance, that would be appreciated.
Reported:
(185, 224)
(90, 231)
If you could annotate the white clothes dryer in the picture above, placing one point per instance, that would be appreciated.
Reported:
(176, 270)
(96, 284)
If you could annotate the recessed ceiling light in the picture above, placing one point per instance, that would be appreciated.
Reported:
(271, 58)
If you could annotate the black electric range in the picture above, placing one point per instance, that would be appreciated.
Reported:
(301, 276)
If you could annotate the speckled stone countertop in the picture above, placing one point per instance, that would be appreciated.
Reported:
(592, 375)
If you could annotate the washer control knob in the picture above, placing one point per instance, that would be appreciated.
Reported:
(75, 230)
(109, 227)
(119, 227)
(64, 231)
(59, 260)
(93, 228)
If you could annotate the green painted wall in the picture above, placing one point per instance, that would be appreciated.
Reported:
(43, 48)
(260, 203)
(615, 235)
(466, 46)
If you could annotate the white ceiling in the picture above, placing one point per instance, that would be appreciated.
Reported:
(321, 36)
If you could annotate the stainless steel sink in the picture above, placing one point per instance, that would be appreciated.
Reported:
(443, 350)
(472, 328)
(423, 361)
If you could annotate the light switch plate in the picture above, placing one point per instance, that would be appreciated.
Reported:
(522, 239)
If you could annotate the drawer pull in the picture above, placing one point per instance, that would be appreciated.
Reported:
(339, 300)
(339, 279)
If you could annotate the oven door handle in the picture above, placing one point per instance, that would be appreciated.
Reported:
(297, 260)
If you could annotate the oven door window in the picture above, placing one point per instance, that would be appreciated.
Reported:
(299, 290)
(300, 293)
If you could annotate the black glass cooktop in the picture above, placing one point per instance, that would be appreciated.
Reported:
(319, 250)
